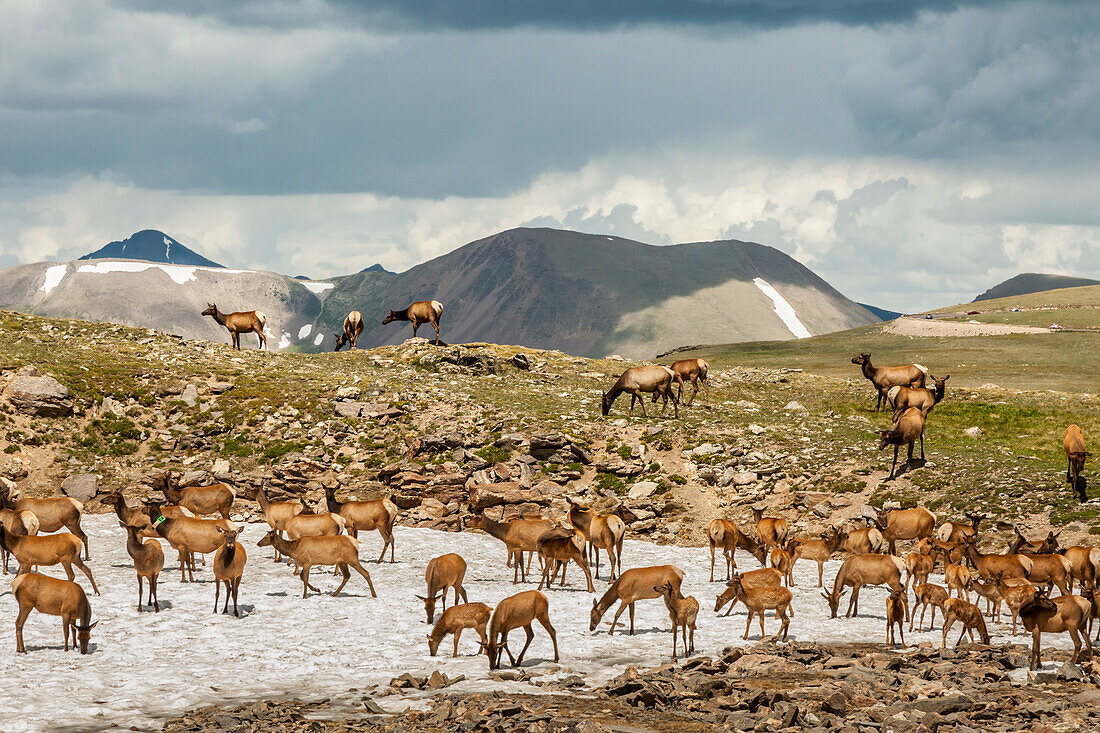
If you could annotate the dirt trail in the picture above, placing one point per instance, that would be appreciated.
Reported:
(922, 327)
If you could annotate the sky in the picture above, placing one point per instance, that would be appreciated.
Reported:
(913, 153)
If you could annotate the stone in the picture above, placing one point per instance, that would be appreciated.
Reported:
(40, 396)
(13, 469)
(195, 478)
(642, 490)
(348, 408)
(220, 387)
(744, 478)
(111, 406)
(973, 432)
(756, 429)
(520, 361)
(706, 449)
(347, 393)
(220, 467)
(793, 405)
(81, 486)
(190, 395)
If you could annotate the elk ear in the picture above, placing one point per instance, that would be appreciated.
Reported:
(422, 598)
(594, 604)
(93, 626)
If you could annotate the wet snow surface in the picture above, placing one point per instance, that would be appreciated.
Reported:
(145, 667)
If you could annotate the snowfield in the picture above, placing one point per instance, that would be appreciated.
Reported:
(145, 667)
(783, 309)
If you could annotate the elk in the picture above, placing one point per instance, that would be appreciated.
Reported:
(725, 534)
(557, 548)
(906, 431)
(905, 524)
(820, 550)
(694, 371)
(364, 516)
(22, 523)
(1052, 570)
(1073, 442)
(443, 572)
(860, 570)
(897, 609)
(991, 592)
(1011, 566)
(228, 567)
(636, 381)
(771, 531)
(187, 535)
(455, 619)
(278, 513)
(630, 587)
(148, 559)
(682, 612)
(419, 313)
(514, 612)
(1015, 592)
(1067, 614)
(129, 516)
(353, 329)
(783, 559)
(862, 541)
(759, 578)
(201, 500)
(945, 552)
(53, 514)
(883, 378)
(325, 524)
(519, 536)
(340, 550)
(958, 579)
(1084, 563)
(758, 600)
(918, 566)
(1024, 546)
(966, 613)
(925, 595)
(902, 398)
(45, 550)
(955, 532)
(238, 323)
(602, 531)
(54, 597)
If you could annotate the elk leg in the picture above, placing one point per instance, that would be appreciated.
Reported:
(154, 598)
(761, 617)
(24, 612)
(343, 568)
(140, 592)
(217, 594)
(712, 563)
(416, 325)
(587, 575)
(530, 635)
(305, 581)
(544, 620)
(748, 624)
(642, 403)
(363, 571)
(632, 619)
(894, 465)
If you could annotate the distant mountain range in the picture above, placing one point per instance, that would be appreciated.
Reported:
(1033, 282)
(584, 294)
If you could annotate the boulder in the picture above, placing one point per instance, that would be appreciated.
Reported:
(190, 395)
(81, 486)
(39, 395)
(349, 408)
(111, 406)
(973, 432)
(642, 490)
(520, 361)
(13, 468)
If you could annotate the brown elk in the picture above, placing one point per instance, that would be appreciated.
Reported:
(1073, 442)
(278, 513)
(443, 572)
(325, 524)
(54, 597)
(228, 567)
(918, 566)
(630, 587)
(1015, 592)
(639, 380)
(1085, 564)
(908, 429)
(187, 535)
(694, 371)
(519, 536)
(967, 614)
(862, 541)
(955, 532)
(758, 600)
(820, 550)
(905, 524)
(353, 329)
(883, 378)
(515, 612)
(897, 609)
(991, 592)
(201, 500)
(53, 514)
(902, 398)
(1053, 570)
(557, 548)
(129, 516)
(1023, 546)
(365, 516)
(925, 595)
(1011, 566)
(44, 550)
(727, 535)
(858, 571)
(419, 313)
(945, 552)
(759, 578)
(455, 619)
(783, 559)
(771, 531)
(603, 532)
(22, 523)
(340, 550)
(958, 578)
(148, 559)
(1067, 614)
(240, 322)
(682, 612)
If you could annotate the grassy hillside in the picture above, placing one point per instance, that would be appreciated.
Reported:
(1077, 307)
(1032, 282)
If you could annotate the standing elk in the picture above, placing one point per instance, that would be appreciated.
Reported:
(694, 371)
(443, 572)
(820, 550)
(379, 514)
(44, 550)
(927, 594)
(758, 600)
(187, 535)
(636, 584)
(419, 313)
(969, 615)
(602, 532)
(240, 322)
(340, 550)
(759, 578)
(1074, 445)
(54, 597)
(518, 612)
(148, 557)
(771, 531)
(682, 611)
(862, 541)
(902, 398)
(727, 535)
(278, 513)
(897, 609)
(455, 619)
(201, 500)
(860, 570)
(21, 523)
(1015, 592)
(883, 378)
(53, 514)
(556, 549)
(639, 380)
(908, 429)
(1067, 614)
(1084, 563)
(783, 559)
(228, 568)
(988, 566)
(353, 329)
(519, 536)
(955, 532)
(905, 524)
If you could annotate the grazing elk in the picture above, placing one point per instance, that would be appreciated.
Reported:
(515, 612)
(639, 380)
(53, 514)
(694, 371)
(1067, 614)
(353, 329)
(419, 313)
(771, 531)
(455, 619)
(54, 597)
(1074, 445)
(902, 398)
(908, 429)
(372, 514)
(682, 612)
(905, 524)
(956, 532)
(602, 532)
(443, 572)
(557, 548)
(519, 536)
(201, 500)
(858, 571)
(897, 609)
(228, 566)
(148, 557)
(44, 550)
(759, 578)
(820, 550)
(240, 322)
(725, 534)
(883, 378)
(925, 595)
(967, 614)
(630, 587)
(339, 550)
(758, 600)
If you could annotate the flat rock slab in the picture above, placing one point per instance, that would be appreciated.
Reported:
(41, 396)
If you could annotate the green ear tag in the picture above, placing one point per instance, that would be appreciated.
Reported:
(157, 521)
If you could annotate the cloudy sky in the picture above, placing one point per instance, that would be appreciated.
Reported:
(911, 152)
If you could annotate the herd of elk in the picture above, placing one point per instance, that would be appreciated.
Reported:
(883, 378)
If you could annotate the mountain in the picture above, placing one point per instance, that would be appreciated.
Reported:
(151, 246)
(374, 268)
(580, 293)
(882, 313)
(1033, 282)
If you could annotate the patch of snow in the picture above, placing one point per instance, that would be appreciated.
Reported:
(54, 275)
(304, 331)
(167, 249)
(317, 341)
(783, 309)
(145, 667)
(318, 288)
(284, 340)
(180, 274)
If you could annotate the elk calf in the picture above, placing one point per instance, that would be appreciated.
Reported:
(897, 609)
(148, 559)
(683, 612)
(228, 567)
(759, 578)
(758, 600)
(969, 615)
(783, 559)
(454, 620)
(928, 594)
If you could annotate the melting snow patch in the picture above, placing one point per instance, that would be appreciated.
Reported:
(54, 276)
(318, 288)
(180, 274)
(317, 341)
(783, 309)
(304, 331)
(284, 340)
(168, 249)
